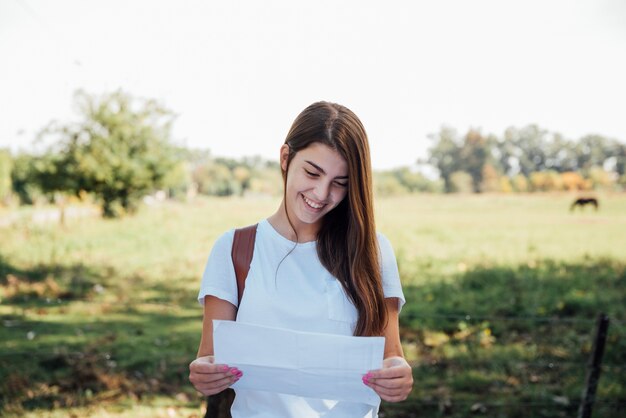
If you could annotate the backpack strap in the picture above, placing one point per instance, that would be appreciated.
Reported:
(241, 253)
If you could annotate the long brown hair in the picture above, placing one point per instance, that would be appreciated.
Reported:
(346, 242)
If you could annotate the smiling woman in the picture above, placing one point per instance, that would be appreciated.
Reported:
(318, 265)
(316, 184)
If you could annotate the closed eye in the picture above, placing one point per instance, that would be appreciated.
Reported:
(338, 183)
(310, 173)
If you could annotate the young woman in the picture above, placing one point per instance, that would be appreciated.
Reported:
(318, 266)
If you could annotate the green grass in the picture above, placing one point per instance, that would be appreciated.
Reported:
(99, 317)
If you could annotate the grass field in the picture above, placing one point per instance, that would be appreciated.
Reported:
(99, 317)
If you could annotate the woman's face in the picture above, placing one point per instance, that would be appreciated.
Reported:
(317, 181)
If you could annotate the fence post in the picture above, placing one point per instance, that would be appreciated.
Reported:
(593, 367)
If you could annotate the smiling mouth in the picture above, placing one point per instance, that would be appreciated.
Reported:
(312, 204)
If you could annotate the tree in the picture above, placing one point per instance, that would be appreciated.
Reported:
(620, 158)
(449, 154)
(461, 182)
(593, 151)
(414, 181)
(6, 163)
(23, 181)
(527, 149)
(572, 181)
(546, 181)
(178, 180)
(490, 179)
(445, 155)
(216, 179)
(599, 178)
(520, 183)
(119, 151)
(561, 154)
(387, 184)
(474, 154)
(528, 156)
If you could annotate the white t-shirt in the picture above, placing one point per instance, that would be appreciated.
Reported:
(300, 295)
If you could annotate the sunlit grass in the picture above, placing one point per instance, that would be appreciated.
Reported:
(99, 316)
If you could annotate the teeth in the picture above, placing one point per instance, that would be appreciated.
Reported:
(312, 204)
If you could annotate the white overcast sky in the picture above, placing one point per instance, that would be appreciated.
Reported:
(238, 72)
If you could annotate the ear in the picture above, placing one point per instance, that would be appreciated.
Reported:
(284, 157)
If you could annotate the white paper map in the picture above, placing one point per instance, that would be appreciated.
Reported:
(312, 365)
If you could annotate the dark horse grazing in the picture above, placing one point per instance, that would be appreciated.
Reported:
(583, 201)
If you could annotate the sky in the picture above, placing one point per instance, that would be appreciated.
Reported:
(237, 73)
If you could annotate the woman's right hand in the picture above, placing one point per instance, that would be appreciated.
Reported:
(209, 378)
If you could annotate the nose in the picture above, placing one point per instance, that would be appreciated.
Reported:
(322, 190)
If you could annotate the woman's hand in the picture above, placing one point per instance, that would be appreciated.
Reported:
(393, 382)
(209, 378)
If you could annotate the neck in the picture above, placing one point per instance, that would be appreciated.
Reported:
(280, 222)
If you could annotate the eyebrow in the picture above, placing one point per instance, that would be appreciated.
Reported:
(322, 170)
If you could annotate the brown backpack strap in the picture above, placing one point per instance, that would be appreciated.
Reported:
(241, 253)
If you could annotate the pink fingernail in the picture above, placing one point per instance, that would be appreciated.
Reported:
(239, 374)
(224, 368)
(234, 371)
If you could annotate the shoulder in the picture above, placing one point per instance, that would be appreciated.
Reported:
(384, 245)
(225, 240)
(382, 239)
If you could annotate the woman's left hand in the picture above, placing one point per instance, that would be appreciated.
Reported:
(393, 382)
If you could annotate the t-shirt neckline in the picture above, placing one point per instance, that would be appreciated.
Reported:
(266, 224)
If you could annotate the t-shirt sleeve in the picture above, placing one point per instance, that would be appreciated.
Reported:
(392, 287)
(219, 278)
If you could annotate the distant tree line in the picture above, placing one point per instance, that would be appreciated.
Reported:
(120, 150)
(232, 177)
(525, 160)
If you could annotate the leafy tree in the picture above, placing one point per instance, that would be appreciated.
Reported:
(473, 155)
(545, 181)
(414, 181)
(6, 163)
(561, 154)
(572, 181)
(599, 178)
(242, 175)
(490, 179)
(228, 176)
(216, 179)
(178, 180)
(505, 185)
(119, 151)
(528, 148)
(34, 178)
(592, 151)
(461, 182)
(520, 183)
(444, 155)
(267, 182)
(387, 184)
(22, 179)
(620, 158)
(450, 154)
(505, 156)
